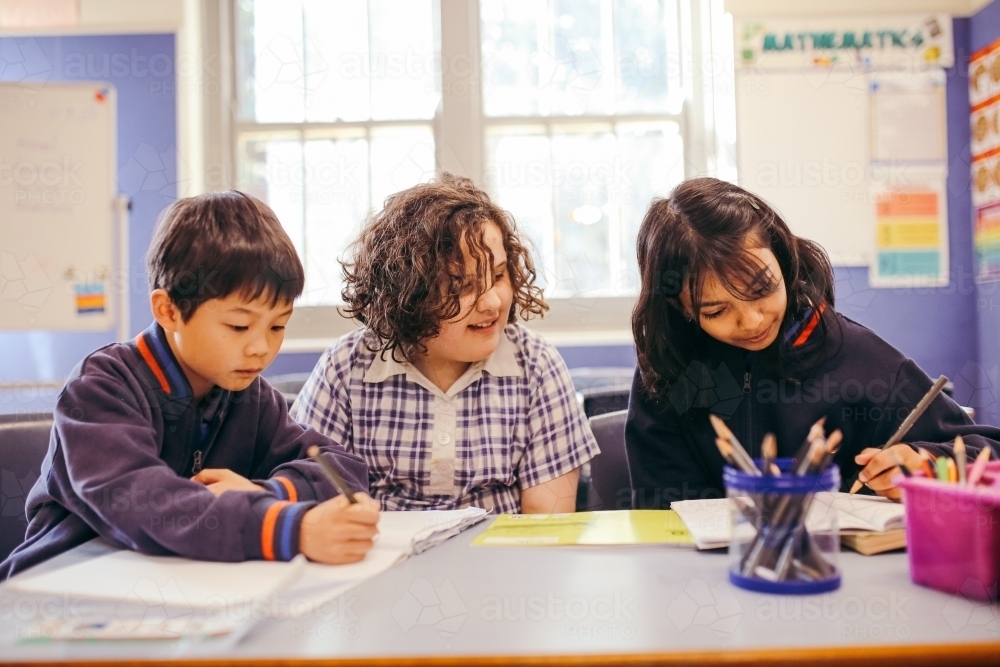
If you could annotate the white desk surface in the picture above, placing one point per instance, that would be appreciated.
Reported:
(459, 605)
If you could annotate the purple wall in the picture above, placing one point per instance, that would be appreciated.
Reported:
(984, 29)
(142, 69)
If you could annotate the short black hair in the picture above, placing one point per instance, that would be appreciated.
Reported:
(215, 244)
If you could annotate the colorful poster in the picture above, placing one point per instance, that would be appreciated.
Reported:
(908, 41)
(911, 228)
(984, 120)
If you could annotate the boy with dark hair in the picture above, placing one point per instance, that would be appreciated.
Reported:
(155, 440)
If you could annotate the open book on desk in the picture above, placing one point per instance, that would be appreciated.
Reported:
(709, 520)
(401, 535)
(287, 589)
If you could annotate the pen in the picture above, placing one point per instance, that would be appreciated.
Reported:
(908, 423)
(331, 473)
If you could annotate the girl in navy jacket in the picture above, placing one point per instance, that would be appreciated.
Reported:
(735, 317)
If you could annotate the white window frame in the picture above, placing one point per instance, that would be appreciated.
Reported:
(460, 137)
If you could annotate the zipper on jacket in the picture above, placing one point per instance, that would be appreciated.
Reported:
(196, 467)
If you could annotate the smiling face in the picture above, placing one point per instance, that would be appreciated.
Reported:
(227, 342)
(475, 333)
(751, 325)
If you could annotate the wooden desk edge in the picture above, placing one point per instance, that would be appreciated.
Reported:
(910, 656)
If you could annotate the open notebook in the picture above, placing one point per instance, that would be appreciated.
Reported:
(200, 588)
(709, 520)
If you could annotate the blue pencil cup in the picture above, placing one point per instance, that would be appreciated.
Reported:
(773, 548)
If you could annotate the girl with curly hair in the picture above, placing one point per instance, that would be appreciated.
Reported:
(447, 397)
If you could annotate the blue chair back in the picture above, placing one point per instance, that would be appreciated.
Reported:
(610, 486)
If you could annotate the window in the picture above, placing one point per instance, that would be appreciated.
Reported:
(336, 102)
(576, 114)
(599, 82)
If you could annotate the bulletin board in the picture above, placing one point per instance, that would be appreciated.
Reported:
(57, 206)
(850, 143)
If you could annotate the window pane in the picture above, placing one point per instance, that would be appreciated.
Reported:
(272, 80)
(573, 57)
(337, 52)
(643, 65)
(653, 164)
(271, 170)
(579, 78)
(400, 157)
(580, 195)
(518, 173)
(336, 180)
(510, 55)
(328, 60)
(324, 187)
(404, 60)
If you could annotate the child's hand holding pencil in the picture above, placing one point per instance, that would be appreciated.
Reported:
(880, 467)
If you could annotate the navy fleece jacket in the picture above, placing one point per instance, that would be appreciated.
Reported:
(127, 436)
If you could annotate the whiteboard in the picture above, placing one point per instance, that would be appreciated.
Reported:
(804, 147)
(57, 189)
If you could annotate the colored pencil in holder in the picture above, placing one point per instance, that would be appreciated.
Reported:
(739, 453)
(961, 461)
(768, 452)
(979, 467)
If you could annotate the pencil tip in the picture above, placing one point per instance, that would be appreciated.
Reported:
(857, 487)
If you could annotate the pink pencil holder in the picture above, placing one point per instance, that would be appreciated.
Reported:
(953, 534)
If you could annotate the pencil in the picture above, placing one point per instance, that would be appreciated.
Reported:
(331, 473)
(960, 459)
(739, 453)
(768, 452)
(952, 472)
(942, 468)
(815, 431)
(908, 423)
(928, 462)
(979, 467)
(728, 453)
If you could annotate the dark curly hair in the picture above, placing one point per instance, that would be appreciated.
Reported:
(405, 273)
(708, 225)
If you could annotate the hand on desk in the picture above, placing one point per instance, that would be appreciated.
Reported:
(220, 480)
(336, 531)
(880, 467)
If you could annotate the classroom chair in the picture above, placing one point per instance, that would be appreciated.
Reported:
(610, 487)
(24, 440)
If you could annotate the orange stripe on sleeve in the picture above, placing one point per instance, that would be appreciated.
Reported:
(151, 362)
(290, 491)
(267, 529)
(813, 321)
